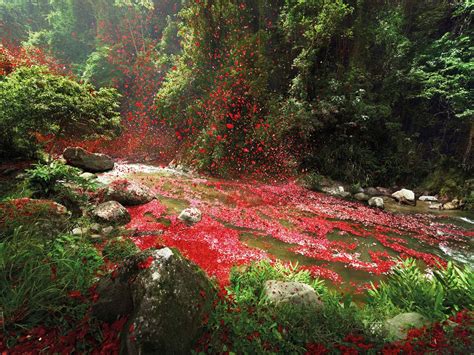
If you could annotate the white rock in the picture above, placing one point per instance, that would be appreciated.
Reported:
(428, 198)
(191, 215)
(80, 231)
(404, 195)
(376, 202)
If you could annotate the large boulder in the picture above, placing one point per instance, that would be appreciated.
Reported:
(405, 196)
(166, 298)
(111, 212)
(190, 216)
(376, 202)
(46, 215)
(398, 326)
(295, 293)
(128, 193)
(91, 162)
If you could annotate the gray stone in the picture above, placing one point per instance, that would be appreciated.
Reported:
(404, 196)
(361, 196)
(111, 212)
(428, 198)
(435, 206)
(128, 193)
(190, 215)
(398, 326)
(166, 298)
(384, 191)
(372, 191)
(291, 292)
(91, 162)
(376, 202)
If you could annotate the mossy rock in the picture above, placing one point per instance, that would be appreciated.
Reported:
(398, 326)
(166, 298)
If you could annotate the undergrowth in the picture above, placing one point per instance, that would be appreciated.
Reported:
(244, 321)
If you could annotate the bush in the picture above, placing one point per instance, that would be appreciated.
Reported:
(33, 100)
(59, 182)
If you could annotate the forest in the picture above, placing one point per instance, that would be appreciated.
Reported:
(236, 176)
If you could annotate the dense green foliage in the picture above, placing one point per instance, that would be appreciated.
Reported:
(370, 92)
(33, 100)
(246, 322)
(446, 292)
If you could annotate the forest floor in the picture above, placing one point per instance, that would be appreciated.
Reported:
(345, 242)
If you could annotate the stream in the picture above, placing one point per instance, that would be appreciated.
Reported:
(345, 242)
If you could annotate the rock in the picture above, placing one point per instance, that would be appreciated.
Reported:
(80, 231)
(453, 205)
(428, 198)
(435, 206)
(88, 176)
(376, 202)
(384, 191)
(336, 191)
(48, 216)
(91, 162)
(372, 191)
(291, 292)
(107, 231)
(404, 196)
(190, 215)
(166, 298)
(128, 193)
(398, 326)
(361, 196)
(111, 212)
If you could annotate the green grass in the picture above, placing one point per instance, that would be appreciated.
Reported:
(38, 274)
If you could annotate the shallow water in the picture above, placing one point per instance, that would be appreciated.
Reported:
(345, 242)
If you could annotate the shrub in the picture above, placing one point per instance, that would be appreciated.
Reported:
(59, 182)
(33, 100)
(408, 289)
